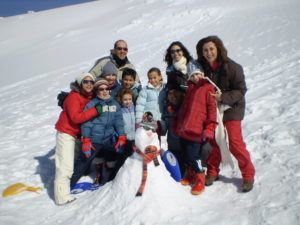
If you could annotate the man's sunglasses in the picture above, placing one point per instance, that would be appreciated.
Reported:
(120, 48)
(88, 81)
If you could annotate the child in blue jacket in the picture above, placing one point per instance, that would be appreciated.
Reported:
(98, 133)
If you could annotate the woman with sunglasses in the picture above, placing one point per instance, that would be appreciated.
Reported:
(229, 77)
(68, 134)
(98, 136)
(178, 60)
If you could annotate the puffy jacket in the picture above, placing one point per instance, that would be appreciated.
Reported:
(230, 78)
(73, 115)
(98, 67)
(101, 128)
(129, 121)
(151, 99)
(198, 110)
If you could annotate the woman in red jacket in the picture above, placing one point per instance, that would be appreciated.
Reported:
(68, 134)
(195, 124)
(229, 77)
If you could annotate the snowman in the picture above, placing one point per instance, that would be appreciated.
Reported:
(147, 145)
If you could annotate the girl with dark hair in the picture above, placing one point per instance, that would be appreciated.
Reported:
(229, 77)
(152, 97)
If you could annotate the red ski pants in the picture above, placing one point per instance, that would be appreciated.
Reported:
(237, 148)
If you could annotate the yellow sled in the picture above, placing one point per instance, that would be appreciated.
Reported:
(18, 188)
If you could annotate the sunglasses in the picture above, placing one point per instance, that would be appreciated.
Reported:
(173, 51)
(88, 81)
(120, 48)
(103, 89)
(149, 128)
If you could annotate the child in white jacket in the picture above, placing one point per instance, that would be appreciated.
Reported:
(152, 98)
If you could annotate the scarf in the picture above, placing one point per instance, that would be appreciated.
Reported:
(119, 62)
(181, 65)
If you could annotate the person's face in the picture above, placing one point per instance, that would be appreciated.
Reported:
(87, 84)
(210, 52)
(196, 77)
(121, 49)
(154, 79)
(176, 53)
(128, 81)
(111, 78)
(103, 91)
(126, 100)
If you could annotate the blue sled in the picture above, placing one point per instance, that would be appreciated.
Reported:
(171, 164)
(83, 186)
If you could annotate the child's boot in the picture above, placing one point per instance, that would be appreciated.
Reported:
(199, 183)
(189, 177)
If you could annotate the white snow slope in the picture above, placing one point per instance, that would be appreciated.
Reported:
(41, 53)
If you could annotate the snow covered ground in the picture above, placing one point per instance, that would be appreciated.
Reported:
(41, 53)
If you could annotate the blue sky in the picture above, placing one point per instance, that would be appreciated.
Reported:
(16, 7)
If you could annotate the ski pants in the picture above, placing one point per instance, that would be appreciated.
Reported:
(237, 148)
(192, 154)
(102, 151)
(66, 150)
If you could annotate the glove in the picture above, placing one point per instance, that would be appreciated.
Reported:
(209, 132)
(87, 147)
(121, 143)
(98, 107)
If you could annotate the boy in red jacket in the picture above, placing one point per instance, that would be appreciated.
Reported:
(195, 124)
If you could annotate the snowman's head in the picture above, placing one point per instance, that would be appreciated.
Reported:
(146, 132)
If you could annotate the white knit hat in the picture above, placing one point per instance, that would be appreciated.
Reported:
(101, 82)
(194, 71)
(82, 76)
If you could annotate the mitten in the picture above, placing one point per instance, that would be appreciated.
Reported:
(121, 143)
(87, 147)
(209, 132)
(98, 107)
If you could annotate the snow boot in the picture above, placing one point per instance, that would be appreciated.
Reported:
(209, 179)
(188, 178)
(247, 185)
(99, 168)
(199, 183)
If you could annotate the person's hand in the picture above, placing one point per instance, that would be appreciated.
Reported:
(87, 147)
(209, 132)
(217, 96)
(121, 143)
(98, 107)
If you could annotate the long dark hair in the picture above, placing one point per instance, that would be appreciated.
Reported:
(168, 58)
(222, 52)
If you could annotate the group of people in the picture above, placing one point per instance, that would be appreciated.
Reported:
(106, 104)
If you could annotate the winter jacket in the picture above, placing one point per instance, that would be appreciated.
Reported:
(198, 110)
(73, 115)
(151, 99)
(129, 121)
(114, 89)
(98, 67)
(229, 77)
(101, 128)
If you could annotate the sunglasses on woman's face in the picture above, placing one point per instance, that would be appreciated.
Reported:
(120, 48)
(173, 51)
(103, 89)
(88, 81)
